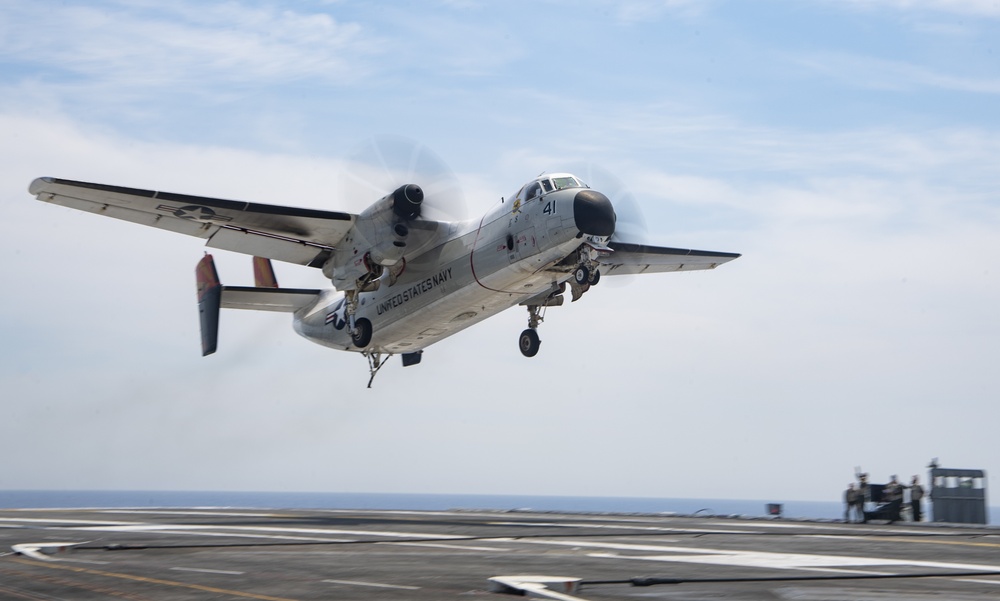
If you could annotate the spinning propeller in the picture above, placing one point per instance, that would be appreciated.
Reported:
(384, 163)
(630, 223)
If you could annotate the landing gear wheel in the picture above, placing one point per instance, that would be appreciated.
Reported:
(529, 343)
(361, 335)
(581, 275)
(594, 278)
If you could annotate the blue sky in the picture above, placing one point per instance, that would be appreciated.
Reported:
(847, 148)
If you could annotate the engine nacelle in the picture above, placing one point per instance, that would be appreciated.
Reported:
(402, 204)
(383, 225)
(377, 240)
(390, 251)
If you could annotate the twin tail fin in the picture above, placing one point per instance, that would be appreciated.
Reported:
(264, 296)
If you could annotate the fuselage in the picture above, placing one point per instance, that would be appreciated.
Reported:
(468, 272)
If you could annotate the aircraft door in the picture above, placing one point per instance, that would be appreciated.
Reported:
(524, 244)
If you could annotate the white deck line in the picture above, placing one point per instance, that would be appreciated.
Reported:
(208, 571)
(202, 513)
(843, 571)
(374, 584)
(664, 529)
(58, 522)
(444, 546)
(140, 527)
(314, 539)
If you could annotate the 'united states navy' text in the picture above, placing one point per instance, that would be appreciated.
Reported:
(413, 291)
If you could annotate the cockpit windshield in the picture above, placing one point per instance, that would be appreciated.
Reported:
(544, 185)
(567, 181)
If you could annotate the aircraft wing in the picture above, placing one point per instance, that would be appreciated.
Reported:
(293, 235)
(640, 258)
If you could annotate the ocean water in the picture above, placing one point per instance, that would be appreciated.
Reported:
(823, 510)
(319, 500)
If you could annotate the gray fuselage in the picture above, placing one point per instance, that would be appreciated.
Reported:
(469, 271)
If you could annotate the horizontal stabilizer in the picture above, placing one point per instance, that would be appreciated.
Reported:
(212, 296)
(286, 300)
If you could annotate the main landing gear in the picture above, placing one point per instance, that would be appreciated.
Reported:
(361, 334)
(359, 328)
(529, 341)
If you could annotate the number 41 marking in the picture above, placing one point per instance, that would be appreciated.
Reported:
(550, 208)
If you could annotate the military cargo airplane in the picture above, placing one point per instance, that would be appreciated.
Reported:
(401, 281)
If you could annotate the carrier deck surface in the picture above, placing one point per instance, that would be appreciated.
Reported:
(203, 553)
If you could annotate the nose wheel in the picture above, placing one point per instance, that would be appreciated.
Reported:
(583, 278)
(529, 342)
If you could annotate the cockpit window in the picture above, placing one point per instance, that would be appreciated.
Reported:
(566, 181)
(546, 185)
(533, 190)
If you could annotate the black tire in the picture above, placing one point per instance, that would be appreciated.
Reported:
(581, 275)
(361, 336)
(595, 277)
(529, 343)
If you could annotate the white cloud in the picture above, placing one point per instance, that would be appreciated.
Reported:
(633, 11)
(460, 43)
(140, 45)
(882, 74)
(980, 8)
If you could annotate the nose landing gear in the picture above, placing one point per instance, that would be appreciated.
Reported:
(583, 279)
(587, 271)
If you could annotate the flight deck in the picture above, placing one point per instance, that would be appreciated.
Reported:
(212, 553)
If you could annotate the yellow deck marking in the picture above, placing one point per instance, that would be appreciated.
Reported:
(197, 587)
(931, 541)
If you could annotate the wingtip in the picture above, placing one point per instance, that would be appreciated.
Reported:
(39, 183)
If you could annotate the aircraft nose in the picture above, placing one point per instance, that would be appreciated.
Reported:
(593, 213)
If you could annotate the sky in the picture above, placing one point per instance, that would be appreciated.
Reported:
(847, 148)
